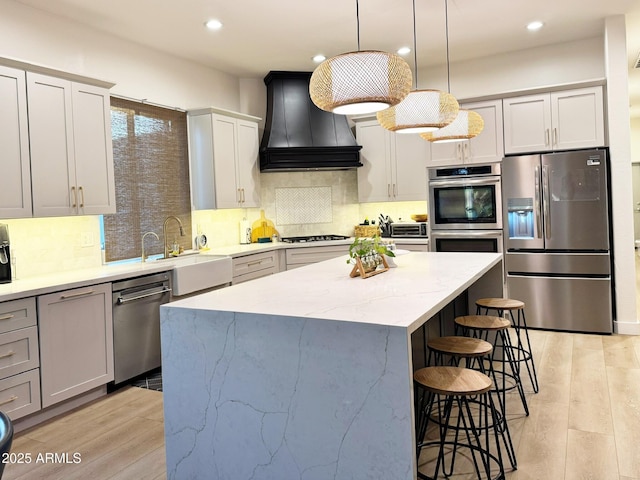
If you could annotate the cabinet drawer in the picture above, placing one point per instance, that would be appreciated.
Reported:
(299, 257)
(255, 263)
(18, 351)
(20, 394)
(17, 314)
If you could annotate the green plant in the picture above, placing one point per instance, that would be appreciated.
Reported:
(366, 247)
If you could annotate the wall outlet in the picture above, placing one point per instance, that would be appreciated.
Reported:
(86, 239)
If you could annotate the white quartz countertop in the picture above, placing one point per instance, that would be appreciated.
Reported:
(405, 296)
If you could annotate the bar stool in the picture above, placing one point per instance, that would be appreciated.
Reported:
(476, 354)
(455, 387)
(519, 322)
(488, 327)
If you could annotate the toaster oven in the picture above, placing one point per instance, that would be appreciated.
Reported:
(409, 230)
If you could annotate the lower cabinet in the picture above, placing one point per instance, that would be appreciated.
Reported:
(19, 358)
(299, 257)
(76, 342)
(255, 265)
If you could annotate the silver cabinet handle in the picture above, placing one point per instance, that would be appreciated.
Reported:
(81, 192)
(7, 317)
(10, 353)
(76, 294)
(75, 198)
(546, 137)
(388, 189)
(243, 198)
(253, 264)
(555, 136)
(395, 190)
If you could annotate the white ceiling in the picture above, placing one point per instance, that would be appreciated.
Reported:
(259, 36)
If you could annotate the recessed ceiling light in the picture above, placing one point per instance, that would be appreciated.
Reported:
(404, 50)
(213, 24)
(537, 25)
(319, 58)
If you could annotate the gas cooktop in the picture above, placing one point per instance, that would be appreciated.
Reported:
(313, 238)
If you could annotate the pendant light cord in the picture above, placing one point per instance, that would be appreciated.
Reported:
(358, 23)
(415, 49)
(446, 30)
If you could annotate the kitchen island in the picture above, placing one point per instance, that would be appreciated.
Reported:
(306, 374)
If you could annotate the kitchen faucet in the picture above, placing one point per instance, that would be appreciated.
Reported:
(144, 257)
(164, 233)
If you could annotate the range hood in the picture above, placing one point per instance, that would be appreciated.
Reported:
(300, 136)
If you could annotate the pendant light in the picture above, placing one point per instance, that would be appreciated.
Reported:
(468, 124)
(422, 110)
(360, 82)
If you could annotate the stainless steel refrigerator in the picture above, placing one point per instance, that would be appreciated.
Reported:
(557, 239)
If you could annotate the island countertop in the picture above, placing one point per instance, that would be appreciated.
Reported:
(406, 296)
(308, 373)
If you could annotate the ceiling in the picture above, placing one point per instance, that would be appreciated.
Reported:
(259, 36)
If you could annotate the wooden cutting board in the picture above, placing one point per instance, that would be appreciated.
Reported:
(262, 228)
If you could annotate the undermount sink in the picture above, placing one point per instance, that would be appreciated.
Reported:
(192, 273)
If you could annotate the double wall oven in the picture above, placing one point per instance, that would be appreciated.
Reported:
(465, 209)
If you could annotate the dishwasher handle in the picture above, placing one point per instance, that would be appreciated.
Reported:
(122, 300)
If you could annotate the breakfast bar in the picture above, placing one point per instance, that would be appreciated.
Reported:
(306, 374)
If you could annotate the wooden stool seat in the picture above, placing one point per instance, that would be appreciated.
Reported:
(453, 381)
(460, 346)
(500, 303)
(483, 322)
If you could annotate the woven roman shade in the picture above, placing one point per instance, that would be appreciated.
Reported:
(151, 166)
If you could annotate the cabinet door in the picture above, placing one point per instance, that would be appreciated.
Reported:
(374, 177)
(527, 124)
(76, 342)
(489, 145)
(53, 176)
(410, 157)
(93, 150)
(578, 118)
(224, 161)
(15, 194)
(446, 154)
(201, 162)
(248, 166)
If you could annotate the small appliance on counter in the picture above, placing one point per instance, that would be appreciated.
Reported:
(245, 231)
(409, 230)
(5, 254)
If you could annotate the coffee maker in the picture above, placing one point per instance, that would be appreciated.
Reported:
(5, 254)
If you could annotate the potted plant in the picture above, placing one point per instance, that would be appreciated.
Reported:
(367, 252)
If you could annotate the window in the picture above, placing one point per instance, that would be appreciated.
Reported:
(151, 163)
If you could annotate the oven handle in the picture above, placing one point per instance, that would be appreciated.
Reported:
(464, 182)
(122, 300)
(467, 234)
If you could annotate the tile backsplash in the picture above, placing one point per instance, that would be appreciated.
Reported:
(328, 202)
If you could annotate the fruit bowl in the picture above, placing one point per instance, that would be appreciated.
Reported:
(419, 217)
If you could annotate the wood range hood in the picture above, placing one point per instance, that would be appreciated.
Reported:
(298, 135)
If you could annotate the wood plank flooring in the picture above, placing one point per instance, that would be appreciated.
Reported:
(584, 423)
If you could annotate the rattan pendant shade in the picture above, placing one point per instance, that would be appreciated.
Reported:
(360, 82)
(467, 124)
(421, 111)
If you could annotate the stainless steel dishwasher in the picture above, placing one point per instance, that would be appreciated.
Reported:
(136, 324)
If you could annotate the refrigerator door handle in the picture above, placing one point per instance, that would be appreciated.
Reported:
(545, 201)
(538, 212)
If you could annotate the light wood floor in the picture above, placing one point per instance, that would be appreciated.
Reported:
(584, 423)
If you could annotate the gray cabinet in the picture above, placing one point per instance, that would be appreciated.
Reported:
(76, 341)
(15, 194)
(19, 358)
(301, 256)
(71, 149)
(224, 159)
(255, 265)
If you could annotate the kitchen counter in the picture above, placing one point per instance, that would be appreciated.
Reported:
(306, 374)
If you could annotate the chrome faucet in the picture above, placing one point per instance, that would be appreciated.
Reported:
(164, 233)
(144, 257)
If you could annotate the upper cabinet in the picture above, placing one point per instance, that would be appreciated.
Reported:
(71, 149)
(554, 121)
(394, 164)
(15, 194)
(485, 148)
(225, 165)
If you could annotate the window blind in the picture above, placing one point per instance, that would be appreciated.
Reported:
(151, 164)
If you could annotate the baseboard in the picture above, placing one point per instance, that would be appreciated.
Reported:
(626, 328)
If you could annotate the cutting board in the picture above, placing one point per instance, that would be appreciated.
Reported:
(262, 228)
